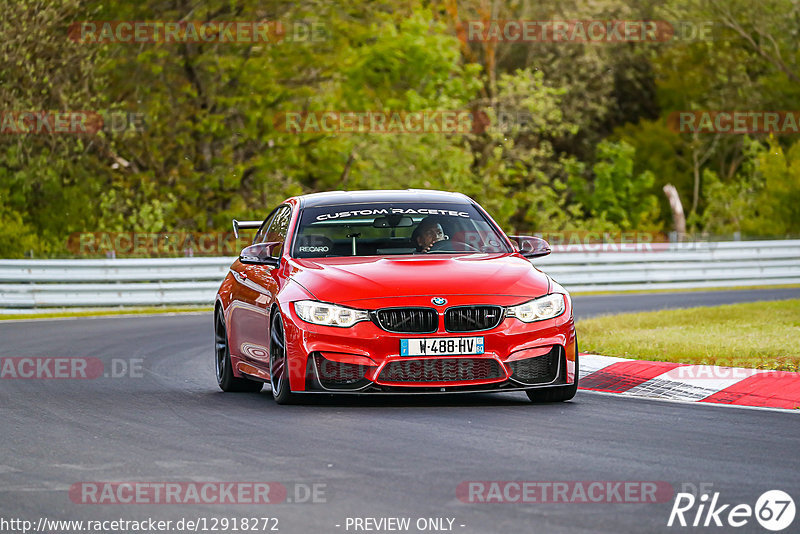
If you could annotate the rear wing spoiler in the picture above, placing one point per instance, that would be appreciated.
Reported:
(246, 225)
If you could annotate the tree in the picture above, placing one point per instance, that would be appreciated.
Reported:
(620, 199)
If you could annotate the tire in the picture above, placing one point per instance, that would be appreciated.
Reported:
(222, 361)
(557, 394)
(278, 368)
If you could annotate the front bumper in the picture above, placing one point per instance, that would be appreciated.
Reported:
(436, 374)
(365, 358)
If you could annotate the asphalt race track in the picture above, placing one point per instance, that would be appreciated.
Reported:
(373, 457)
(590, 305)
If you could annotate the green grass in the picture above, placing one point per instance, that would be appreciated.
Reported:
(757, 335)
(104, 312)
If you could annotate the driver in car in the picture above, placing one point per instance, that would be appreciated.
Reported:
(428, 232)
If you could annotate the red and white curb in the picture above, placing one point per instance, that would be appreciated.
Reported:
(693, 383)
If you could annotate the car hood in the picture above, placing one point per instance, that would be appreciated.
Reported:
(365, 278)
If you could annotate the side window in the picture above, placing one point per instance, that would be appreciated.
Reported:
(278, 228)
(261, 235)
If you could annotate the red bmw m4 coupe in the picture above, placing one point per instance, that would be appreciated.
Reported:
(370, 292)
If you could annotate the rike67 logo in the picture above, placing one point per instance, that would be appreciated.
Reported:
(774, 510)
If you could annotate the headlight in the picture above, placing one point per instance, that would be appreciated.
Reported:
(545, 307)
(315, 312)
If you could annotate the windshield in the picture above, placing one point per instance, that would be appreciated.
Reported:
(397, 228)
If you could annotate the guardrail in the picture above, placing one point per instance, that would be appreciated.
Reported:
(689, 265)
(117, 282)
(29, 284)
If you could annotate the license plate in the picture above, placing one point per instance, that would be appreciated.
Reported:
(438, 346)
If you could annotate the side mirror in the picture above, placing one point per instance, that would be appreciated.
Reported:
(530, 246)
(260, 254)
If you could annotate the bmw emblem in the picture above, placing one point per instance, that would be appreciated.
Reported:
(439, 301)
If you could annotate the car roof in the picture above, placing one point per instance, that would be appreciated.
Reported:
(335, 198)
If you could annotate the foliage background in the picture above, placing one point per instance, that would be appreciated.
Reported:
(593, 152)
